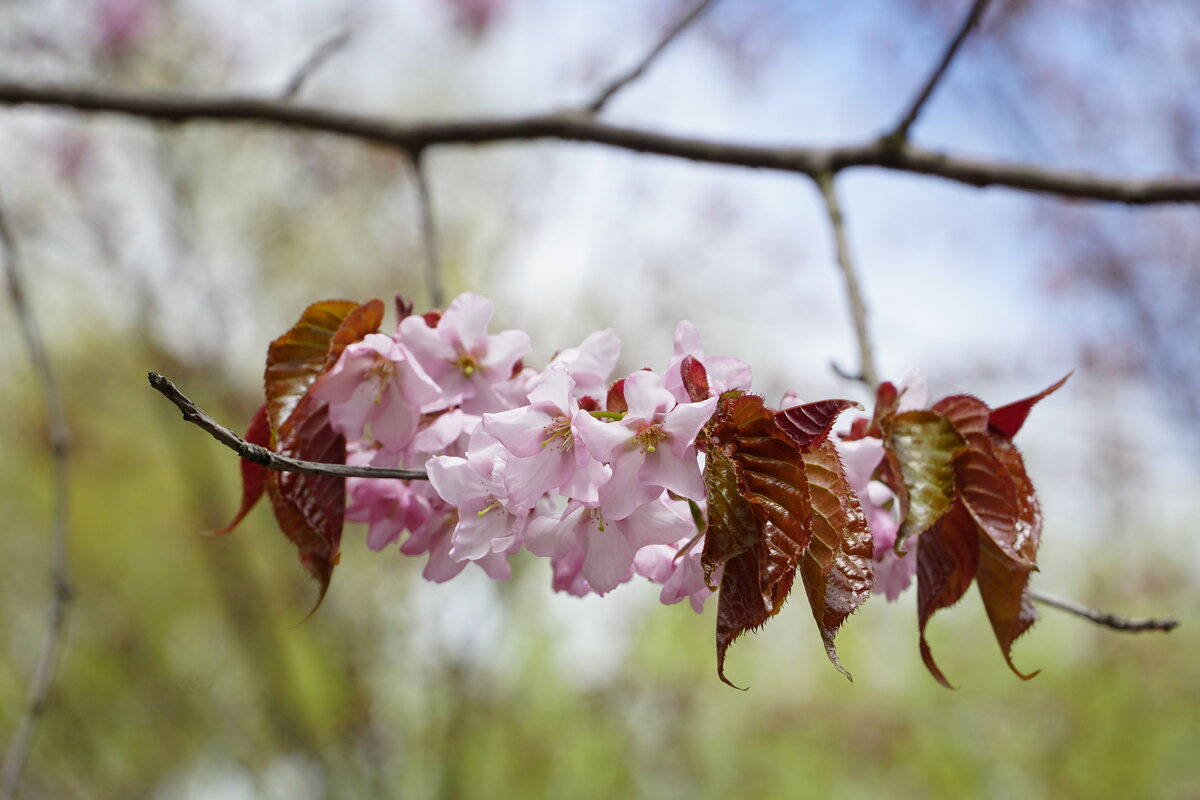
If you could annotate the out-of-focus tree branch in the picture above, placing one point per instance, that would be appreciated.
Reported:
(881, 153)
(900, 133)
(867, 373)
(1104, 618)
(428, 233)
(636, 71)
(54, 635)
(326, 50)
(261, 455)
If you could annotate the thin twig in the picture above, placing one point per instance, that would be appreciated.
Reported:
(1105, 618)
(433, 273)
(323, 52)
(858, 307)
(900, 133)
(261, 455)
(579, 127)
(53, 637)
(635, 72)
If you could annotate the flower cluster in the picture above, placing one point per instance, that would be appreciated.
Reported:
(600, 477)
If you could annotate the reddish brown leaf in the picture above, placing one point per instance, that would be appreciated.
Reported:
(254, 476)
(1028, 534)
(808, 425)
(1004, 580)
(732, 526)
(740, 605)
(771, 470)
(1003, 585)
(836, 568)
(358, 323)
(968, 414)
(990, 495)
(947, 560)
(1009, 419)
(310, 509)
(296, 358)
(695, 379)
(759, 515)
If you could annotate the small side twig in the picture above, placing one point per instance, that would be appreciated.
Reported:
(635, 72)
(324, 51)
(858, 307)
(433, 271)
(261, 455)
(1104, 618)
(900, 132)
(38, 697)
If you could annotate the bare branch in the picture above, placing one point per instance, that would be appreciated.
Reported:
(578, 127)
(433, 273)
(900, 133)
(858, 308)
(323, 52)
(1104, 618)
(53, 637)
(669, 35)
(261, 455)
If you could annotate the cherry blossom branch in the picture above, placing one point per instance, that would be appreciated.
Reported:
(433, 274)
(46, 668)
(262, 456)
(413, 137)
(900, 133)
(858, 307)
(635, 72)
(1105, 618)
(323, 52)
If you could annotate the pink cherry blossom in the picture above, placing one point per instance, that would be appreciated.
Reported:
(376, 381)
(487, 520)
(389, 508)
(591, 363)
(650, 448)
(609, 546)
(458, 353)
(545, 452)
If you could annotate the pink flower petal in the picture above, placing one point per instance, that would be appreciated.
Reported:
(503, 350)
(646, 396)
(459, 482)
(466, 319)
(600, 437)
(683, 422)
(609, 560)
(626, 489)
(520, 430)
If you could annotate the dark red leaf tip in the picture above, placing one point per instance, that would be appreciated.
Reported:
(1009, 419)
(809, 425)
(254, 476)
